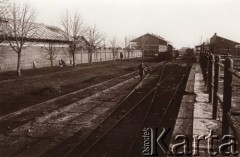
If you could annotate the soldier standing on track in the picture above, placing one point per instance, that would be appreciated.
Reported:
(142, 69)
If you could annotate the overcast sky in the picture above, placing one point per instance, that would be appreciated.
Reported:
(183, 22)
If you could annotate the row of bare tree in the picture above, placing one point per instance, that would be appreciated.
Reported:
(18, 25)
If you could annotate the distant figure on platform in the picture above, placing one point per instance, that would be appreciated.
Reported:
(121, 55)
(62, 63)
(142, 69)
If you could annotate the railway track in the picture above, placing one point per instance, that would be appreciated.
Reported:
(159, 115)
(152, 111)
(101, 142)
(30, 113)
(47, 123)
(75, 124)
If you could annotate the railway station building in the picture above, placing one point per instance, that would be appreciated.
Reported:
(221, 45)
(151, 44)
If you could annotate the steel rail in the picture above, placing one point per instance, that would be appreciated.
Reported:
(65, 95)
(154, 67)
(146, 114)
(164, 114)
(127, 113)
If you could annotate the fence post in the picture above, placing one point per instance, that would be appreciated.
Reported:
(201, 60)
(205, 67)
(82, 56)
(105, 53)
(207, 70)
(100, 54)
(210, 76)
(227, 95)
(216, 85)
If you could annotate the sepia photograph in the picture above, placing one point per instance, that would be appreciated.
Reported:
(119, 78)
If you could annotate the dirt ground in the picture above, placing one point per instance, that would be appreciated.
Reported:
(39, 85)
(26, 73)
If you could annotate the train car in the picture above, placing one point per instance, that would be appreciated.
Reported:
(167, 54)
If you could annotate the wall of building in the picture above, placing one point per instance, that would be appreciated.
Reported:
(8, 60)
(151, 46)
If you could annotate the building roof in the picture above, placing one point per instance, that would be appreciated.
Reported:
(42, 33)
(216, 39)
(49, 33)
(153, 35)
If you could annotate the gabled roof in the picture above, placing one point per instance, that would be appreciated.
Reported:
(46, 33)
(85, 41)
(215, 36)
(41, 32)
(49, 33)
(153, 35)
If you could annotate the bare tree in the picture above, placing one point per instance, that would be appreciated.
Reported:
(94, 39)
(128, 45)
(18, 26)
(73, 31)
(3, 5)
(50, 52)
(142, 45)
(114, 46)
(2, 11)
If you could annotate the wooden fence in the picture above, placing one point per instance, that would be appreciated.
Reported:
(211, 66)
